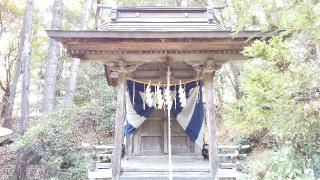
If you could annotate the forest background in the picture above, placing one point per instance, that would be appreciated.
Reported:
(270, 101)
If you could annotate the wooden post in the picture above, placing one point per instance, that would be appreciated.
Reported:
(211, 122)
(118, 132)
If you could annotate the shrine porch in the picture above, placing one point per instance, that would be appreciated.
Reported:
(184, 168)
(156, 168)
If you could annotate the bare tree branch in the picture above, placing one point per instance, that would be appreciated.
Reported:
(2, 87)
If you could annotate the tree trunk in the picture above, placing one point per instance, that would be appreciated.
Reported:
(219, 91)
(50, 79)
(316, 172)
(235, 71)
(20, 172)
(22, 160)
(14, 81)
(26, 55)
(96, 18)
(5, 100)
(76, 62)
(1, 24)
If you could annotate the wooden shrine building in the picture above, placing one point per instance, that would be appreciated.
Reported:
(140, 43)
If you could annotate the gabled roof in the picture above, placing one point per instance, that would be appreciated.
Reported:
(133, 45)
(139, 35)
(131, 33)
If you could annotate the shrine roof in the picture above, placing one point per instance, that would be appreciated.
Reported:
(154, 30)
(140, 35)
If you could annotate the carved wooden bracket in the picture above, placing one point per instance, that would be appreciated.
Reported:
(208, 66)
(123, 66)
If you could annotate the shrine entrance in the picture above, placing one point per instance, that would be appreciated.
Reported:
(152, 139)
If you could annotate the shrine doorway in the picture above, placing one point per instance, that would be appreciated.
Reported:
(152, 139)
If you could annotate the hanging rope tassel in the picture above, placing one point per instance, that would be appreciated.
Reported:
(198, 96)
(134, 93)
(175, 97)
(144, 101)
(182, 95)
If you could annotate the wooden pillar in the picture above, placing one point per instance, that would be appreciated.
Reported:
(118, 132)
(211, 122)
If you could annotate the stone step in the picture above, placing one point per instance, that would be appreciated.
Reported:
(143, 175)
(176, 175)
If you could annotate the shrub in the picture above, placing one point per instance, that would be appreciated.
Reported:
(50, 139)
(282, 164)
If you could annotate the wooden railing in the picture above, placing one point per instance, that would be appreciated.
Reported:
(100, 164)
(230, 157)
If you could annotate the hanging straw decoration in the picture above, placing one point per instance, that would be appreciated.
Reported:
(134, 93)
(168, 98)
(174, 98)
(155, 97)
(182, 95)
(159, 97)
(144, 97)
(164, 84)
(149, 100)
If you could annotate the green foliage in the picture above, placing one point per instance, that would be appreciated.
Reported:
(52, 137)
(303, 17)
(96, 101)
(281, 86)
(292, 16)
(282, 100)
(261, 104)
(52, 140)
(72, 13)
(282, 164)
(275, 50)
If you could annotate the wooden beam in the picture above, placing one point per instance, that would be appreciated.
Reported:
(92, 41)
(118, 135)
(211, 122)
(124, 43)
(225, 44)
(187, 57)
